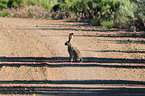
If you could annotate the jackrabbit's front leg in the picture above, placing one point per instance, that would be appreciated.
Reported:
(70, 58)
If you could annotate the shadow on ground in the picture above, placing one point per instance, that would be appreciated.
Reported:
(56, 27)
(74, 91)
(80, 87)
(111, 36)
(67, 27)
(129, 51)
(64, 62)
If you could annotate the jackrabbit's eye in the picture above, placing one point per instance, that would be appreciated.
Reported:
(71, 33)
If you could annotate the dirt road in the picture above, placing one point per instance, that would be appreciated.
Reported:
(34, 59)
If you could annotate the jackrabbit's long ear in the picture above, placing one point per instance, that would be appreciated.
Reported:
(70, 36)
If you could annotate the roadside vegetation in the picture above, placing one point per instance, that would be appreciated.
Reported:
(105, 13)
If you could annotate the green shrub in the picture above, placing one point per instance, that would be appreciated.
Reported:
(140, 14)
(31, 2)
(3, 4)
(107, 24)
(87, 10)
(79, 6)
(76, 7)
(45, 5)
(72, 15)
(123, 22)
(16, 3)
(3, 13)
(125, 15)
(95, 21)
(140, 10)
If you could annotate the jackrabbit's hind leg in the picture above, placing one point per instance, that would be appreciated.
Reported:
(81, 60)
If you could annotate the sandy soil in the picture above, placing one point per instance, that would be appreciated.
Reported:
(32, 53)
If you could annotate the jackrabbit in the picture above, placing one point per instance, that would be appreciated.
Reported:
(75, 55)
